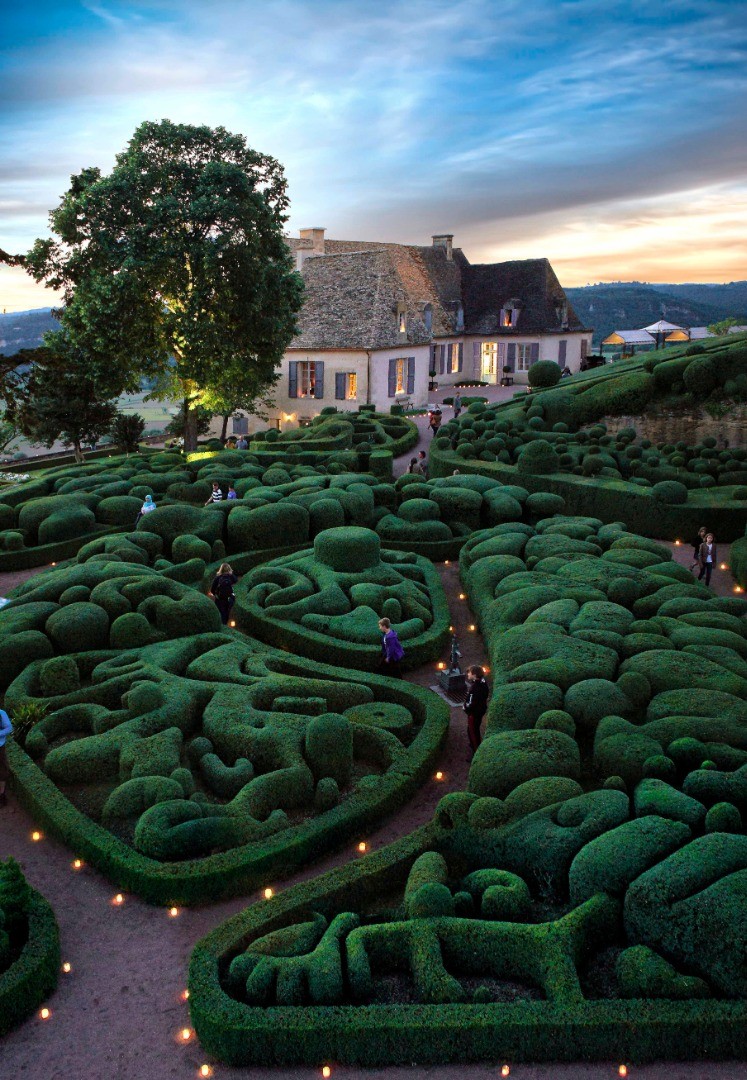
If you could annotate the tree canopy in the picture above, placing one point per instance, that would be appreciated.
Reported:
(174, 265)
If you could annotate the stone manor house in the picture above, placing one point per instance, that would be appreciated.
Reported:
(377, 318)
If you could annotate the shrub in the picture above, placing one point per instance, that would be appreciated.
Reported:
(544, 373)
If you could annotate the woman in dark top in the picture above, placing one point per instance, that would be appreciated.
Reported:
(707, 557)
(475, 703)
(222, 591)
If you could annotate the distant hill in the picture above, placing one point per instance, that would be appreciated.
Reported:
(630, 305)
(25, 329)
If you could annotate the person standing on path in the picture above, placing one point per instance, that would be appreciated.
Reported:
(457, 405)
(476, 703)
(231, 492)
(423, 463)
(216, 495)
(708, 558)
(6, 729)
(699, 539)
(392, 652)
(222, 592)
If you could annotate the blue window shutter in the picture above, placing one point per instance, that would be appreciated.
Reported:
(562, 349)
(410, 374)
(339, 385)
(319, 379)
(535, 353)
(293, 378)
(441, 359)
(476, 353)
(460, 356)
(511, 356)
(392, 378)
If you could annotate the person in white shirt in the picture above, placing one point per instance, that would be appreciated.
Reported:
(216, 495)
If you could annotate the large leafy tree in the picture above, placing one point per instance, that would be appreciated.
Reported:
(174, 265)
(58, 399)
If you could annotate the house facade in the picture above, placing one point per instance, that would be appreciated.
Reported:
(377, 318)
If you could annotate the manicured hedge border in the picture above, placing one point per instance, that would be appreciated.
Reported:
(33, 977)
(316, 646)
(377, 1035)
(610, 500)
(738, 561)
(242, 869)
(28, 558)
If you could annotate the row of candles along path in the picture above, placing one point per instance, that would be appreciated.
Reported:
(186, 1034)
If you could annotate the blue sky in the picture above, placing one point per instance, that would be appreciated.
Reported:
(608, 136)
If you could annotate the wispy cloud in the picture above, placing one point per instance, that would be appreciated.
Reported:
(395, 121)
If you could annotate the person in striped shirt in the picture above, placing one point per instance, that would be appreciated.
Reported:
(216, 495)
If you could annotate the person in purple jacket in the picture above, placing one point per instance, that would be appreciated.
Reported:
(392, 652)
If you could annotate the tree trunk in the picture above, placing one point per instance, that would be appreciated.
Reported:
(224, 427)
(190, 428)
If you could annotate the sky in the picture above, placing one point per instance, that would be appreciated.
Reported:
(608, 136)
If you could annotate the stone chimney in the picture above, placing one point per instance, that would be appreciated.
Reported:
(317, 239)
(443, 240)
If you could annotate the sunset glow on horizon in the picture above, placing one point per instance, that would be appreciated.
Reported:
(607, 137)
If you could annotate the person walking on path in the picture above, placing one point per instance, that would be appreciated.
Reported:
(708, 558)
(413, 466)
(392, 652)
(146, 508)
(699, 539)
(6, 729)
(476, 703)
(434, 421)
(216, 495)
(457, 405)
(222, 592)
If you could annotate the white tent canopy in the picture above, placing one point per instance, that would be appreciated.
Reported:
(629, 337)
(662, 327)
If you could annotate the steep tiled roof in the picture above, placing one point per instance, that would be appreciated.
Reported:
(488, 287)
(356, 289)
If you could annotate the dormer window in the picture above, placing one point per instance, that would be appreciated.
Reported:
(428, 318)
(561, 310)
(401, 318)
(459, 318)
(510, 313)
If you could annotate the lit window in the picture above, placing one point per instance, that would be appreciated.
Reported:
(400, 369)
(402, 318)
(507, 316)
(351, 386)
(306, 378)
(489, 352)
(523, 357)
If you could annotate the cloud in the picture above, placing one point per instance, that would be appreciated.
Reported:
(475, 116)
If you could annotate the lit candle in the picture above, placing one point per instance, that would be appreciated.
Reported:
(326, 1072)
(505, 1070)
(677, 543)
(205, 1070)
(472, 627)
(36, 836)
(173, 912)
(77, 864)
(462, 596)
(67, 967)
(268, 894)
(363, 846)
(622, 1070)
(185, 1034)
(439, 775)
(118, 899)
(184, 995)
(440, 665)
(45, 1013)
